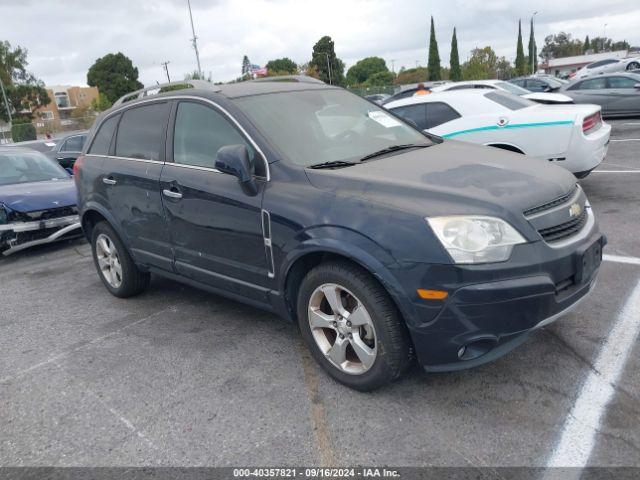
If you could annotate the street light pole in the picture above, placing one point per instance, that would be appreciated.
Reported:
(533, 47)
(194, 40)
(328, 66)
(604, 36)
(166, 69)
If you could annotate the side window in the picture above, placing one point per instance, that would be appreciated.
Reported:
(73, 144)
(622, 82)
(102, 140)
(591, 84)
(520, 83)
(141, 132)
(414, 113)
(535, 85)
(439, 113)
(199, 132)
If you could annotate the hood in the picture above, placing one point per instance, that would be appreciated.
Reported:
(35, 196)
(451, 178)
(545, 97)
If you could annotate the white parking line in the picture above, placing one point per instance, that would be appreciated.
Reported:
(625, 140)
(581, 427)
(621, 259)
(616, 171)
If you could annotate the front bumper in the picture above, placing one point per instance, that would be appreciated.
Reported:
(17, 236)
(492, 309)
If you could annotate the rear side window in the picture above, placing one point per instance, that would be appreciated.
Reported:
(509, 101)
(591, 84)
(103, 138)
(199, 132)
(417, 114)
(536, 85)
(73, 144)
(622, 82)
(439, 113)
(141, 132)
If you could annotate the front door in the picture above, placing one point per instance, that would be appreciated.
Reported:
(216, 228)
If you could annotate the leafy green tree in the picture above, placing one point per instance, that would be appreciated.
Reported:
(485, 64)
(24, 91)
(533, 51)
(434, 56)
(586, 46)
(364, 69)
(101, 103)
(282, 66)
(521, 66)
(411, 75)
(455, 73)
(561, 45)
(380, 79)
(114, 75)
(195, 75)
(329, 67)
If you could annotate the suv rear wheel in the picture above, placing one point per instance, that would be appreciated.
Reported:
(115, 266)
(352, 326)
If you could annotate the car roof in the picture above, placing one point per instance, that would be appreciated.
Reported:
(447, 95)
(10, 149)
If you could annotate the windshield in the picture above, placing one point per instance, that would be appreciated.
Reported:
(23, 167)
(511, 88)
(315, 126)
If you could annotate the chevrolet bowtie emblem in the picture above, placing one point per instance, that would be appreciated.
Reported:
(575, 210)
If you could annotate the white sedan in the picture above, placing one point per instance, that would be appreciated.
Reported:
(608, 65)
(539, 97)
(572, 136)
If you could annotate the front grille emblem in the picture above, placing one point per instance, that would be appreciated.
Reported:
(575, 210)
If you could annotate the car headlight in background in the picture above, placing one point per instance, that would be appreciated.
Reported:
(475, 239)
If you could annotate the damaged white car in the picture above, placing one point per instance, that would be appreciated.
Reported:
(37, 201)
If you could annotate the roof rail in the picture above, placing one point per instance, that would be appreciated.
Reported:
(144, 92)
(289, 78)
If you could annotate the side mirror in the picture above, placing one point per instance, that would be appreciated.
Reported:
(547, 88)
(234, 160)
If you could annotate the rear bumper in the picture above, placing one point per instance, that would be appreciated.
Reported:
(20, 235)
(587, 151)
(492, 309)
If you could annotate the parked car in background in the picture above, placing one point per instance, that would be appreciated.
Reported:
(543, 97)
(618, 94)
(607, 66)
(539, 84)
(409, 90)
(67, 149)
(572, 136)
(37, 201)
(378, 98)
(381, 241)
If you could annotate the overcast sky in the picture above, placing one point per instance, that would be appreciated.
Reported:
(65, 37)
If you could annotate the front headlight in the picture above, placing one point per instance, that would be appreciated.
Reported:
(475, 239)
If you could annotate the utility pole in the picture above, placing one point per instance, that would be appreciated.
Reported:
(328, 66)
(604, 36)
(393, 64)
(6, 103)
(194, 40)
(166, 69)
(534, 42)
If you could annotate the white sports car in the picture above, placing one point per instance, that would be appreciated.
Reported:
(572, 136)
(539, 97)
(608, 65)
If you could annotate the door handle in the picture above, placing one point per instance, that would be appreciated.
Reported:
(109, 181)
(172, 194)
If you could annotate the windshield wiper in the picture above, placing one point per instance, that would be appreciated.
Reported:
(332, 164)
(394, 148)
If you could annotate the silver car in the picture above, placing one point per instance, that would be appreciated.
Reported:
(608, 65)
(618, 94)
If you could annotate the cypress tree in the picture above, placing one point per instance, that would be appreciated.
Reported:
(434, 56)
(454, 60)
(533, 51)
(587, 45)
(521, 67)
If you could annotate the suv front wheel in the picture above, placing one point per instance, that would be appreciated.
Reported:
(352, 326)
(115, 266)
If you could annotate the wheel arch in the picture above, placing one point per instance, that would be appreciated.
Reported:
(94, 213)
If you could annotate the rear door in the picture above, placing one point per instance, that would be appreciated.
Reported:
(132, 181)
(623, 96)
(70, 150)
(592, 90)
(216, 229)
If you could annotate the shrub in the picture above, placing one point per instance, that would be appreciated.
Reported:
(21, 132)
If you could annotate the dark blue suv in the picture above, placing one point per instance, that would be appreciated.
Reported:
(381, 242)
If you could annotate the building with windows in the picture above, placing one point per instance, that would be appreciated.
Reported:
(561, 67)
(64, 100)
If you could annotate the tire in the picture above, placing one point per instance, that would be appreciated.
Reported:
(633, 66)
(128, 279)
(379, 326)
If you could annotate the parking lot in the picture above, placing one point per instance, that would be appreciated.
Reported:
(181, 377)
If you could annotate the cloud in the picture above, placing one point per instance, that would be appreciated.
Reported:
(65, 37)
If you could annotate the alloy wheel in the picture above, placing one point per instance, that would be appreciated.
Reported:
(108, 261)
(342, 328)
